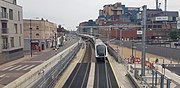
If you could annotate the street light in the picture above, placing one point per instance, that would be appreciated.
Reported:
(55, 38)
(121, 44)
(30, 27)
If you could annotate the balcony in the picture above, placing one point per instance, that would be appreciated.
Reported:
(5, 46)
(4, 31)
(3, 16)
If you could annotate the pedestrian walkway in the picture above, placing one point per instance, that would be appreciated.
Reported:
(120, 71)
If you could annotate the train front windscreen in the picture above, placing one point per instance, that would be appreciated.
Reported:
(101, 50)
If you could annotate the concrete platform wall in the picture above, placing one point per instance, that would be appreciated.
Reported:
(30, 78)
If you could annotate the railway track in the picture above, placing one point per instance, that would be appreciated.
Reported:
(79, 76)
(104, 76)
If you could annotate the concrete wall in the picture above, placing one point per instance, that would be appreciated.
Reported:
(10, 56)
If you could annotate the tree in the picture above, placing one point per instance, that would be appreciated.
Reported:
(174, 34)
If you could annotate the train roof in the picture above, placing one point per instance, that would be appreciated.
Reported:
(99, 42)
(86, 35)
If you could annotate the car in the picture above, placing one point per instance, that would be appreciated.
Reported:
(135, 59)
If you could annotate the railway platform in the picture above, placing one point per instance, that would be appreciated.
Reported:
(168, 74)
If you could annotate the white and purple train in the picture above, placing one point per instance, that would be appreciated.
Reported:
(101, 51)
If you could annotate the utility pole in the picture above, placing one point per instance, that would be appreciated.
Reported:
(143, 59)
(132, 53)
(55, 39)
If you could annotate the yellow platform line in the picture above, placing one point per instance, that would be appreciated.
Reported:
(115, 76)
(64, 76)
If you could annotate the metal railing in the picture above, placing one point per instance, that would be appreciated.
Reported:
(155, 80)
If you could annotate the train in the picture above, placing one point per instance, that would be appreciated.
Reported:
(101, 51)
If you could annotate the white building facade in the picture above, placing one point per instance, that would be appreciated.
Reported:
(178, 22)
(11, 31)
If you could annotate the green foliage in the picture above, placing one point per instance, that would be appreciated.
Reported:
(174, 34)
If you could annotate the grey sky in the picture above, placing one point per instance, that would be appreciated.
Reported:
(70, 13)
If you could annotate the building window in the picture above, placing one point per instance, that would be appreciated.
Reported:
(37, 27)
(21, 28)
(37, 34)
(10, 14)
(5, 43)
(15, 27)
(12, 41)
(14, 2)
(4, 27)
(159, 26)
(19, 16)
(154, 26)
(4, 12)
(19, 41)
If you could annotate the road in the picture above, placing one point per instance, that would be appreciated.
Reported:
(157, 50)
(175, 68)
(10, 73)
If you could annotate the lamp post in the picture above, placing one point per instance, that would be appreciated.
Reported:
(55, 39)
(30, 27)
(121, 43)
(132, 55)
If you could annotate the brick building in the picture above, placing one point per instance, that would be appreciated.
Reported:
(43, 34)
(118, 14)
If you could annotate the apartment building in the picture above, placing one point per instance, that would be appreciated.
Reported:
(159, 22)
(11, 34)
(43, 34)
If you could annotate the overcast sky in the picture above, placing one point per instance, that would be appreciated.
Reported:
(69, 13)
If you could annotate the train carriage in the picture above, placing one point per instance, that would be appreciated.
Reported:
(101, 51)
